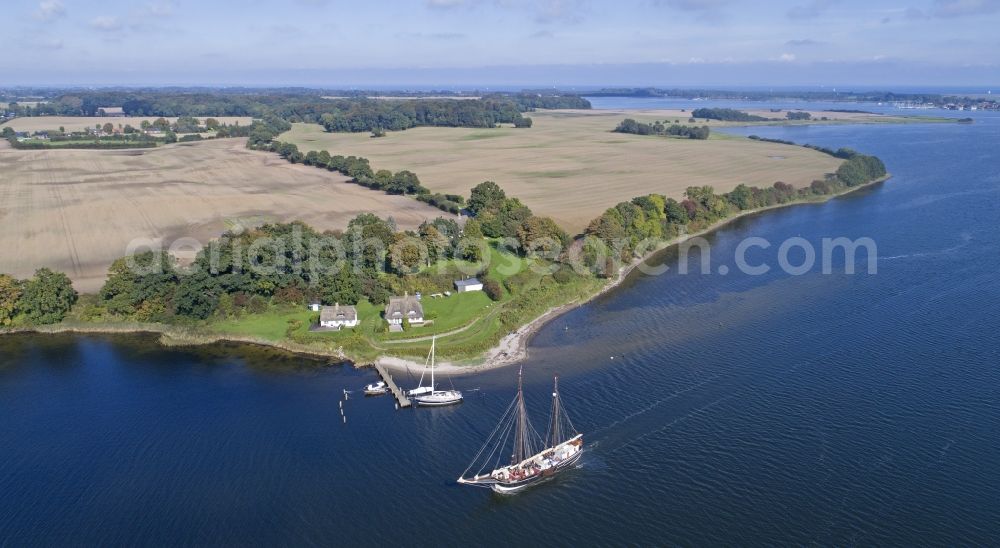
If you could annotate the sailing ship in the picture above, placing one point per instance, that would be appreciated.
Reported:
(430, 396)
(563, 446)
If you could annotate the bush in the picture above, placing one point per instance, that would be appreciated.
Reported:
(257, 305)
(492, 289)
(289, 295)
(564, 275)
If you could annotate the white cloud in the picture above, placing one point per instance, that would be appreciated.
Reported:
(695, 5)
(811, 10)
(46, 43)
(105, 23)
(960, 8)
(803, 42)
(786, 57)
(50, 10)
(445, 4)
(705, 11)
(567, 11)
(164, 8)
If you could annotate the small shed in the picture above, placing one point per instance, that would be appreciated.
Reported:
(471, 284)
(338, 316)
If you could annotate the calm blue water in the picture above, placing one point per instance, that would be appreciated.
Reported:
(738, 410)
(787, 104)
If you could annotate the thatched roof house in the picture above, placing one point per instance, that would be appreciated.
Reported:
(406, 307)
(338, 316)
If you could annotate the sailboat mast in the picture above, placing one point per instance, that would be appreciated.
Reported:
(433, 343)
(554, 428)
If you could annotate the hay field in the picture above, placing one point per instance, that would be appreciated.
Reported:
(569, 165)
(77, 210)
(80, 123)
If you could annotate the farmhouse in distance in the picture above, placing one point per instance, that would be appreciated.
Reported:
(114, 112)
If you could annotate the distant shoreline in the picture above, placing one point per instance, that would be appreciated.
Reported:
(512, 349)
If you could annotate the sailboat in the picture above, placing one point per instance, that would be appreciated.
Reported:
(563, 446)
(430, 396)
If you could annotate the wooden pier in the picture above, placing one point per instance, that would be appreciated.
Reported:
(397, 393)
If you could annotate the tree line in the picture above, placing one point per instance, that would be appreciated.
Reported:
(45, 298)
(843, 153)
(629, 125)
(361, 172)
(746, 95)
(619, 230)
(105, 136)
(726, 115)
(348, 114)
(357, 115)
(262, 135)
(245, 272)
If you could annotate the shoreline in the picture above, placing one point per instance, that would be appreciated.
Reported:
(511, 349)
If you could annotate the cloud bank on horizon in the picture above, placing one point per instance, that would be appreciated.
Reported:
(502, 42)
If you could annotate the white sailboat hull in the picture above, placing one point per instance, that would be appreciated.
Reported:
(439, 398)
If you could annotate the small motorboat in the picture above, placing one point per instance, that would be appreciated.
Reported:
(376, 389)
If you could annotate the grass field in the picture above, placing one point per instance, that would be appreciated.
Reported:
(80, 123)
(466, 323)
(569, 165)
(77, 210)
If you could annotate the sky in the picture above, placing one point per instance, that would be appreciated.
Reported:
(502, 43)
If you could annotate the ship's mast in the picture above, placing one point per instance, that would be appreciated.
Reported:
(555, 428)
(522, 445)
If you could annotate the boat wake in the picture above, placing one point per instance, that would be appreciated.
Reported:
(672, 423)
(966, 240)
(642, 411)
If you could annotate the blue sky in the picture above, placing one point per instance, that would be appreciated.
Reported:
(342, 43)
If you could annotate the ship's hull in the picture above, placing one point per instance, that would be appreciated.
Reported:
(510, 488)
(439, 399)
(507, 480)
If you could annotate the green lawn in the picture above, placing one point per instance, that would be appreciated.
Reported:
(448, 313)
(271, 325)
(474, 311)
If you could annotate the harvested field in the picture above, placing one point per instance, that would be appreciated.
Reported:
(77, 210)
(80, 123)
(570, 165)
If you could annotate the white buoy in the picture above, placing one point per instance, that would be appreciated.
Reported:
(345, 420)
(341, 404)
